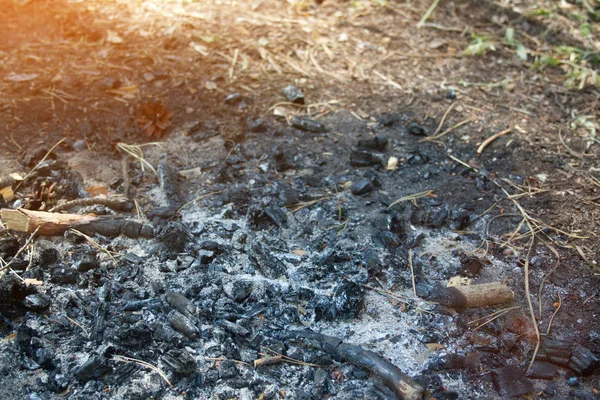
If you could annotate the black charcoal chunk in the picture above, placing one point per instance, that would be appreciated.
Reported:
(8, 247)
(361, 187)
(94, 368)
(180, 303)
(64, 275)
(269, 265)
(377, 143)
(511, 382)
(582, 360)
(348, 299)
(183, 324)
(257, 125)
(175, 236)
(542, 370)
(293, 94)
(37, 302)
(308, 124)
(415, 129)
(179, 361)
(364, 159)
(557, 348)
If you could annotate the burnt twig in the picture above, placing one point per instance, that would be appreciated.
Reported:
(402, 385)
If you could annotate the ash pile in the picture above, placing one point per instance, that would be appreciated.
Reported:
(278, 265)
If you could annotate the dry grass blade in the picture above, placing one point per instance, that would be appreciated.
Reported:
(447, 131)
(201, 197)
(411, 197)
(288, 359)
(93, 243)
(135, 151)
(570, 150)
(428, 14)
(27, 243)
(554, 315)
(303, 204)
(555, 252)
(412, 272)
(493, 316)
(144, 364)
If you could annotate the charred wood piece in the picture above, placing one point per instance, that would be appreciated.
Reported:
(403, 386)
(480, 295)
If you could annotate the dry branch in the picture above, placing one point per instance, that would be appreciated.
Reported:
(481, 295)
(55, 224)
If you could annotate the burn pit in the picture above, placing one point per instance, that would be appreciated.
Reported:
(291, 232)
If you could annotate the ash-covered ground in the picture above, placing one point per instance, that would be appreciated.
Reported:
(287, 230)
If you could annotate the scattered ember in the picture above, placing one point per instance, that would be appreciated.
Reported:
(153, 118)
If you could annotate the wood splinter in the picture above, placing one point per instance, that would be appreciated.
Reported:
(55, 224)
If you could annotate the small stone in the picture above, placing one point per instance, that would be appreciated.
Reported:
(233, 98)
(378, 143)
(308, 124)
(415, 129)
(257, 125)
(364, 159)
(293, 94)
(80, 145)
(361, 187)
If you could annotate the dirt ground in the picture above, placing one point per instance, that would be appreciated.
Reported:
(86, 71)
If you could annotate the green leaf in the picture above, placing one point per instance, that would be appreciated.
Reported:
(522, 52)
(510, 36)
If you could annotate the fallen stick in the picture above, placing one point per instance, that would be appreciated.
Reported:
(480, 295)
(489, 140)
(261, 362)
(55, 224)
(402, 385)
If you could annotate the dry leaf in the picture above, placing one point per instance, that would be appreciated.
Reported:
(434, 346)
(7, 193)
(153, 118)
(299, 252)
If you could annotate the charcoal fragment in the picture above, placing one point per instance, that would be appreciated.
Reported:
(389, 239)
(12, 291)
(471, 265)
(234, 328)
(348, 300)
(183, 324)
(361, 187)
(241, 290)
(308, 124)
(46, 253)
(511, 382)
(557, 348)
(179, 361)
(257, 125)
(415, 129)
(269, 265)
(175, 236)
(377, 143)
(8, 246)
(582, 360)
(94, 368)
(180, 303)
(276, 215)
(293, 94)
(438, 218)
(37, 302)
(64, 275)
(227, 369)
(542, 370)
(364, 159)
